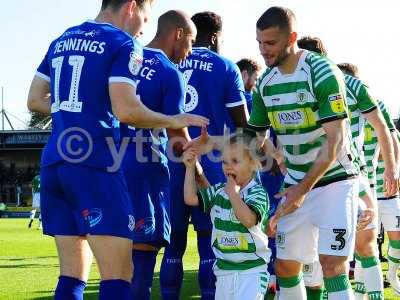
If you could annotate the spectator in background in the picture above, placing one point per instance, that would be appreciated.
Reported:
(250, 70)
(3, 208)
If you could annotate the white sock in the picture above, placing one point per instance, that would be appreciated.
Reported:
(292, 288)
(359, 290)
(394, 263)
(373, 277)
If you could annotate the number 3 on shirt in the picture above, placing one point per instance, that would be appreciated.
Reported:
(73, 104)
(191, 91)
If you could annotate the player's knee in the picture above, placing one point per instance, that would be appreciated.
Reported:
(287, 268)
(333, 265)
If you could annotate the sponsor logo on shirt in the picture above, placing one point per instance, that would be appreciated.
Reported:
(135, 63)
(230, 242)
(337, 103)
(291, 117)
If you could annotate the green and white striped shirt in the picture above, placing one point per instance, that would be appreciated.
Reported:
(380, 186)
(36, 184)
(371, 145)
(359, 102)
(295, 106)
(236, 247)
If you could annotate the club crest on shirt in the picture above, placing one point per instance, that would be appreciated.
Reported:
(135, 63)
(302, 96)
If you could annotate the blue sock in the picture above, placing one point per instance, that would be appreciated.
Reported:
(206, 275)
(115, 289)
(69, 288)
(171, 272)
(272, 246)
(143, 271)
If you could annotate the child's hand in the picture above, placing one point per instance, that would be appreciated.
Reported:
(231, 186)
(189, 158)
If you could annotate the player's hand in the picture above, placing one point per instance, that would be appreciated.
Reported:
(186, 120)
(189, 158)
(231, 186)
(366, 218)
(295, 196)
(203, 144)
(272, 225)
(391, 181)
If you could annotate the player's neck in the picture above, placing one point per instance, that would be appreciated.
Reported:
(289, 64)
(106, 16)
(158, 43)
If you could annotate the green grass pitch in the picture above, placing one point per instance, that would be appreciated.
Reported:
(29, 265)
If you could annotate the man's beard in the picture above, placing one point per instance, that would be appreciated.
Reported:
(281, 57)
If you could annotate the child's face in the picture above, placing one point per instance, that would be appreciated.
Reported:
(236, 162)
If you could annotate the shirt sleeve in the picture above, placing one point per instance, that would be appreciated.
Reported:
(127, 64)
(174, 93)
(388, 120)
(257, 201)
(207, 196)
(258, 118)
(330, 92)
(43, 71)
(234, 87)
(366, 103)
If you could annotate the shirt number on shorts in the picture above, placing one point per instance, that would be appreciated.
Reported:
(339, 238)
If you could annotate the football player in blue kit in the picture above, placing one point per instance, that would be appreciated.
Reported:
(213, 88)
(161, 88)
(87, 82)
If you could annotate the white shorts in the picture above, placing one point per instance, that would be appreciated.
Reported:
(389, 214)
(325, 224)
(239, 286)
(36, 200)
(312, 274)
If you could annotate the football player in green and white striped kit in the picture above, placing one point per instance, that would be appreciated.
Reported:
(362, 107)
(239, 214)
(302, 95)
(388, 206)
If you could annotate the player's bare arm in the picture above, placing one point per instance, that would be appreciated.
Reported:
(39, 96)
(295, 194)
(130, 110)
(387, 143)
(239, 115)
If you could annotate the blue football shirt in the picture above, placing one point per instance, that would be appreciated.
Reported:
(79, 65)
(213, 84)
(161, 89)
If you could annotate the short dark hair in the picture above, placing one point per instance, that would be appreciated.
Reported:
(249, 65)
(348, 69)
(312, 43)
(173, 19)
(277, 16)
(115, 5)
(207, 23)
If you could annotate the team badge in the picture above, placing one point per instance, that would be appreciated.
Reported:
(280, 238)
(337, 103)
(135, 63)
(302, 96)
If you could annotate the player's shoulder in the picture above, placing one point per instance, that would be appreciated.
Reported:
(265, 76)
(353, 83)
(321, 67)
(206, 54)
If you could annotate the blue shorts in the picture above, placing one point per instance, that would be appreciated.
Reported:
(150, 201)
(180, 212)
(78, 200)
